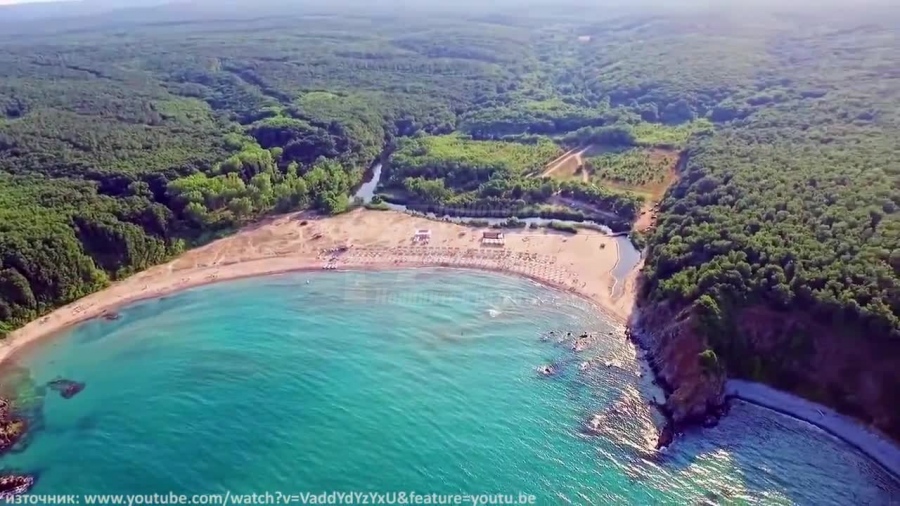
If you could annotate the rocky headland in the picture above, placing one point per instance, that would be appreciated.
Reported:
(695, 394)
(835, 370)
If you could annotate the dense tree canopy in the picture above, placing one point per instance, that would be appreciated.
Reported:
(128, 136)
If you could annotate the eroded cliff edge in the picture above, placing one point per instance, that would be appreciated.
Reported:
(825, 362)
(695, 391)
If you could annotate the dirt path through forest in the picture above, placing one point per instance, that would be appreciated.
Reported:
(573, 155)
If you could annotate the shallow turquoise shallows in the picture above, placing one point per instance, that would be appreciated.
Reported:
(421, 380)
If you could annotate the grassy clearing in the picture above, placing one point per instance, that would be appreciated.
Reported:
(634, 167)
(456, 150)
(668, 136)
(563, 168)
(647, 172)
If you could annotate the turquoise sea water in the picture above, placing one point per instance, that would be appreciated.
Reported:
(418, 380)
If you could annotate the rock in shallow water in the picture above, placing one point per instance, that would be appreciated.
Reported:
(14, 484)
(666, 436)
(66, 388)
(547, 370)
(11, 427)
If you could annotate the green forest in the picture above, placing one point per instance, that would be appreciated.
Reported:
(452, 174)
(126, 138)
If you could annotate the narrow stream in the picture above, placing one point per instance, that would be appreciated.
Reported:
(367, 190)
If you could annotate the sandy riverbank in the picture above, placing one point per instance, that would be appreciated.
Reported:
(875, 445)
(580, 263)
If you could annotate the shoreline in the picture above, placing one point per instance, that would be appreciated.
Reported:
(244, 255)
(873, 445)
(580, 265)
(10, 349)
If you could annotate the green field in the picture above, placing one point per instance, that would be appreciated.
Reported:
(455, 171)
(668, 136)
(635, 167)
(457, 152)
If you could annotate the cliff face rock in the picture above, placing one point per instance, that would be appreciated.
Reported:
(830, 363)
(695, 394)
(850, 370)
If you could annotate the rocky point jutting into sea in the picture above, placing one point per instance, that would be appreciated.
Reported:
(694, 395)
(697, 394)
(12, 428)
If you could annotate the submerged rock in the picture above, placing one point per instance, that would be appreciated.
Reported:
(19, 419)
(547, 370)
(11, 431)
(66, 388)
(110, 316)
(14, 484)
(12, 428)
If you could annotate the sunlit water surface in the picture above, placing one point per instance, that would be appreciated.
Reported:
(421, 380)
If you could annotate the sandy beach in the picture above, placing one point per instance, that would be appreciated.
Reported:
(362, 239)
(581, 264)
(875, 445)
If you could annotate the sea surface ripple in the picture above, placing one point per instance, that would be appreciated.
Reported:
(422, 380)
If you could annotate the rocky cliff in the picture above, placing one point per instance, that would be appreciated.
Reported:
(695, 394)
(830, 362)
(823, 362)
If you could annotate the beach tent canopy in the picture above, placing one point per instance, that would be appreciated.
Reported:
(492, 238)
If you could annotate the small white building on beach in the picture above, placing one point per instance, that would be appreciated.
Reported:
(422, 235)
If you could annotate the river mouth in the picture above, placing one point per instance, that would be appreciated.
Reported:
(629, 256)
(423, 379)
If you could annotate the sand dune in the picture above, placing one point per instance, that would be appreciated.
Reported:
(359, 240)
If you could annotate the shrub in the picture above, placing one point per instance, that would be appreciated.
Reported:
(709, 361)
(563, 227)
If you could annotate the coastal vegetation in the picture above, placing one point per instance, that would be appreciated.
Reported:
(451, 174)
(126, 139)
(562, 227)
